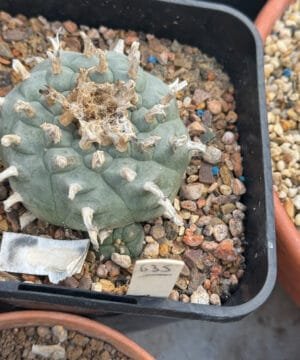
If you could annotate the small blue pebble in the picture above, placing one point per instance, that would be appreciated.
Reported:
(215, 170)
(200, 112)
(287, 72)
(242, 178)
(152, 59)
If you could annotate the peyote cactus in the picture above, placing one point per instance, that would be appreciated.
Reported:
(93, 142)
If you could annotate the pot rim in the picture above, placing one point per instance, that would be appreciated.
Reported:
(91, 328)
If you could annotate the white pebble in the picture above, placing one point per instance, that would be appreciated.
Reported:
(296, 202)
(124, 261)
(200, 296)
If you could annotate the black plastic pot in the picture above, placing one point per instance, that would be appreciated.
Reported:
(230, 37)
(250, 8)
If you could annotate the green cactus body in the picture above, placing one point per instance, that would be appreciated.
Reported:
(85, 146)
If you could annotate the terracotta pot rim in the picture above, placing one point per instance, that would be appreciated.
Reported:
(91, 328)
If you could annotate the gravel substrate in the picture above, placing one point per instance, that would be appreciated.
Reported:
(212, 240)
(282, 74)
(56, 343)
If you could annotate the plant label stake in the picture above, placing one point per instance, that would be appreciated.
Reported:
(35, 255)
(154, 277)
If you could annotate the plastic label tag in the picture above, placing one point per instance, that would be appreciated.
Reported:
(154, 277)
(35, 255)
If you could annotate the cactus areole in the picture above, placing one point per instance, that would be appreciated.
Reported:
(92, 142)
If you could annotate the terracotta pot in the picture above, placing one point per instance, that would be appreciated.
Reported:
(77, 323)
(288, 238)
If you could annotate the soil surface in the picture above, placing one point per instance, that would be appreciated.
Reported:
(55, 343)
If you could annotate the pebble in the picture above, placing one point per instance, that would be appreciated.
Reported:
(106, 285)
(124, 261)
(225, 189)
(192, 239)
(43, 332)
(236, 227)
(151, 250)
(171, 230)
(102, 271)
(200, 296)
(227, 208)
(226, 175)
(96, 286)
(164, 249)
(192, 191)
(184, 298)
(177, 248)
(238, 188)
(296, 202)
(54, 352)
(60, 333)
(189, 205)
(214, 299)
(5, 50)
(214, 106)
(209, 245)
(200, 96)
(196, 129)
(220, 232)
(157, 232)
(85, 282)
(112, 268)
(194, 258)
(212, 155)
(228, 138)
(206, 174)
(70, 26)
(226, 251)
(14, 35)
(174, 295)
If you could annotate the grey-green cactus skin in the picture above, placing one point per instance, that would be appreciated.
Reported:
(44, 184)
(126, 241)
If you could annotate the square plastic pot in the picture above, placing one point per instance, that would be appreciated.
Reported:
(250, 8)
(230, 37)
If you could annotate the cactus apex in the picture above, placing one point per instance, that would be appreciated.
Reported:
(119, 47)
(26, 218)
(87, 216)
(12, 200)
(134, 58)
(10, 139)
(7, 173)
(128, 174)
(20, 69)
(53, 131)
(73, 190)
